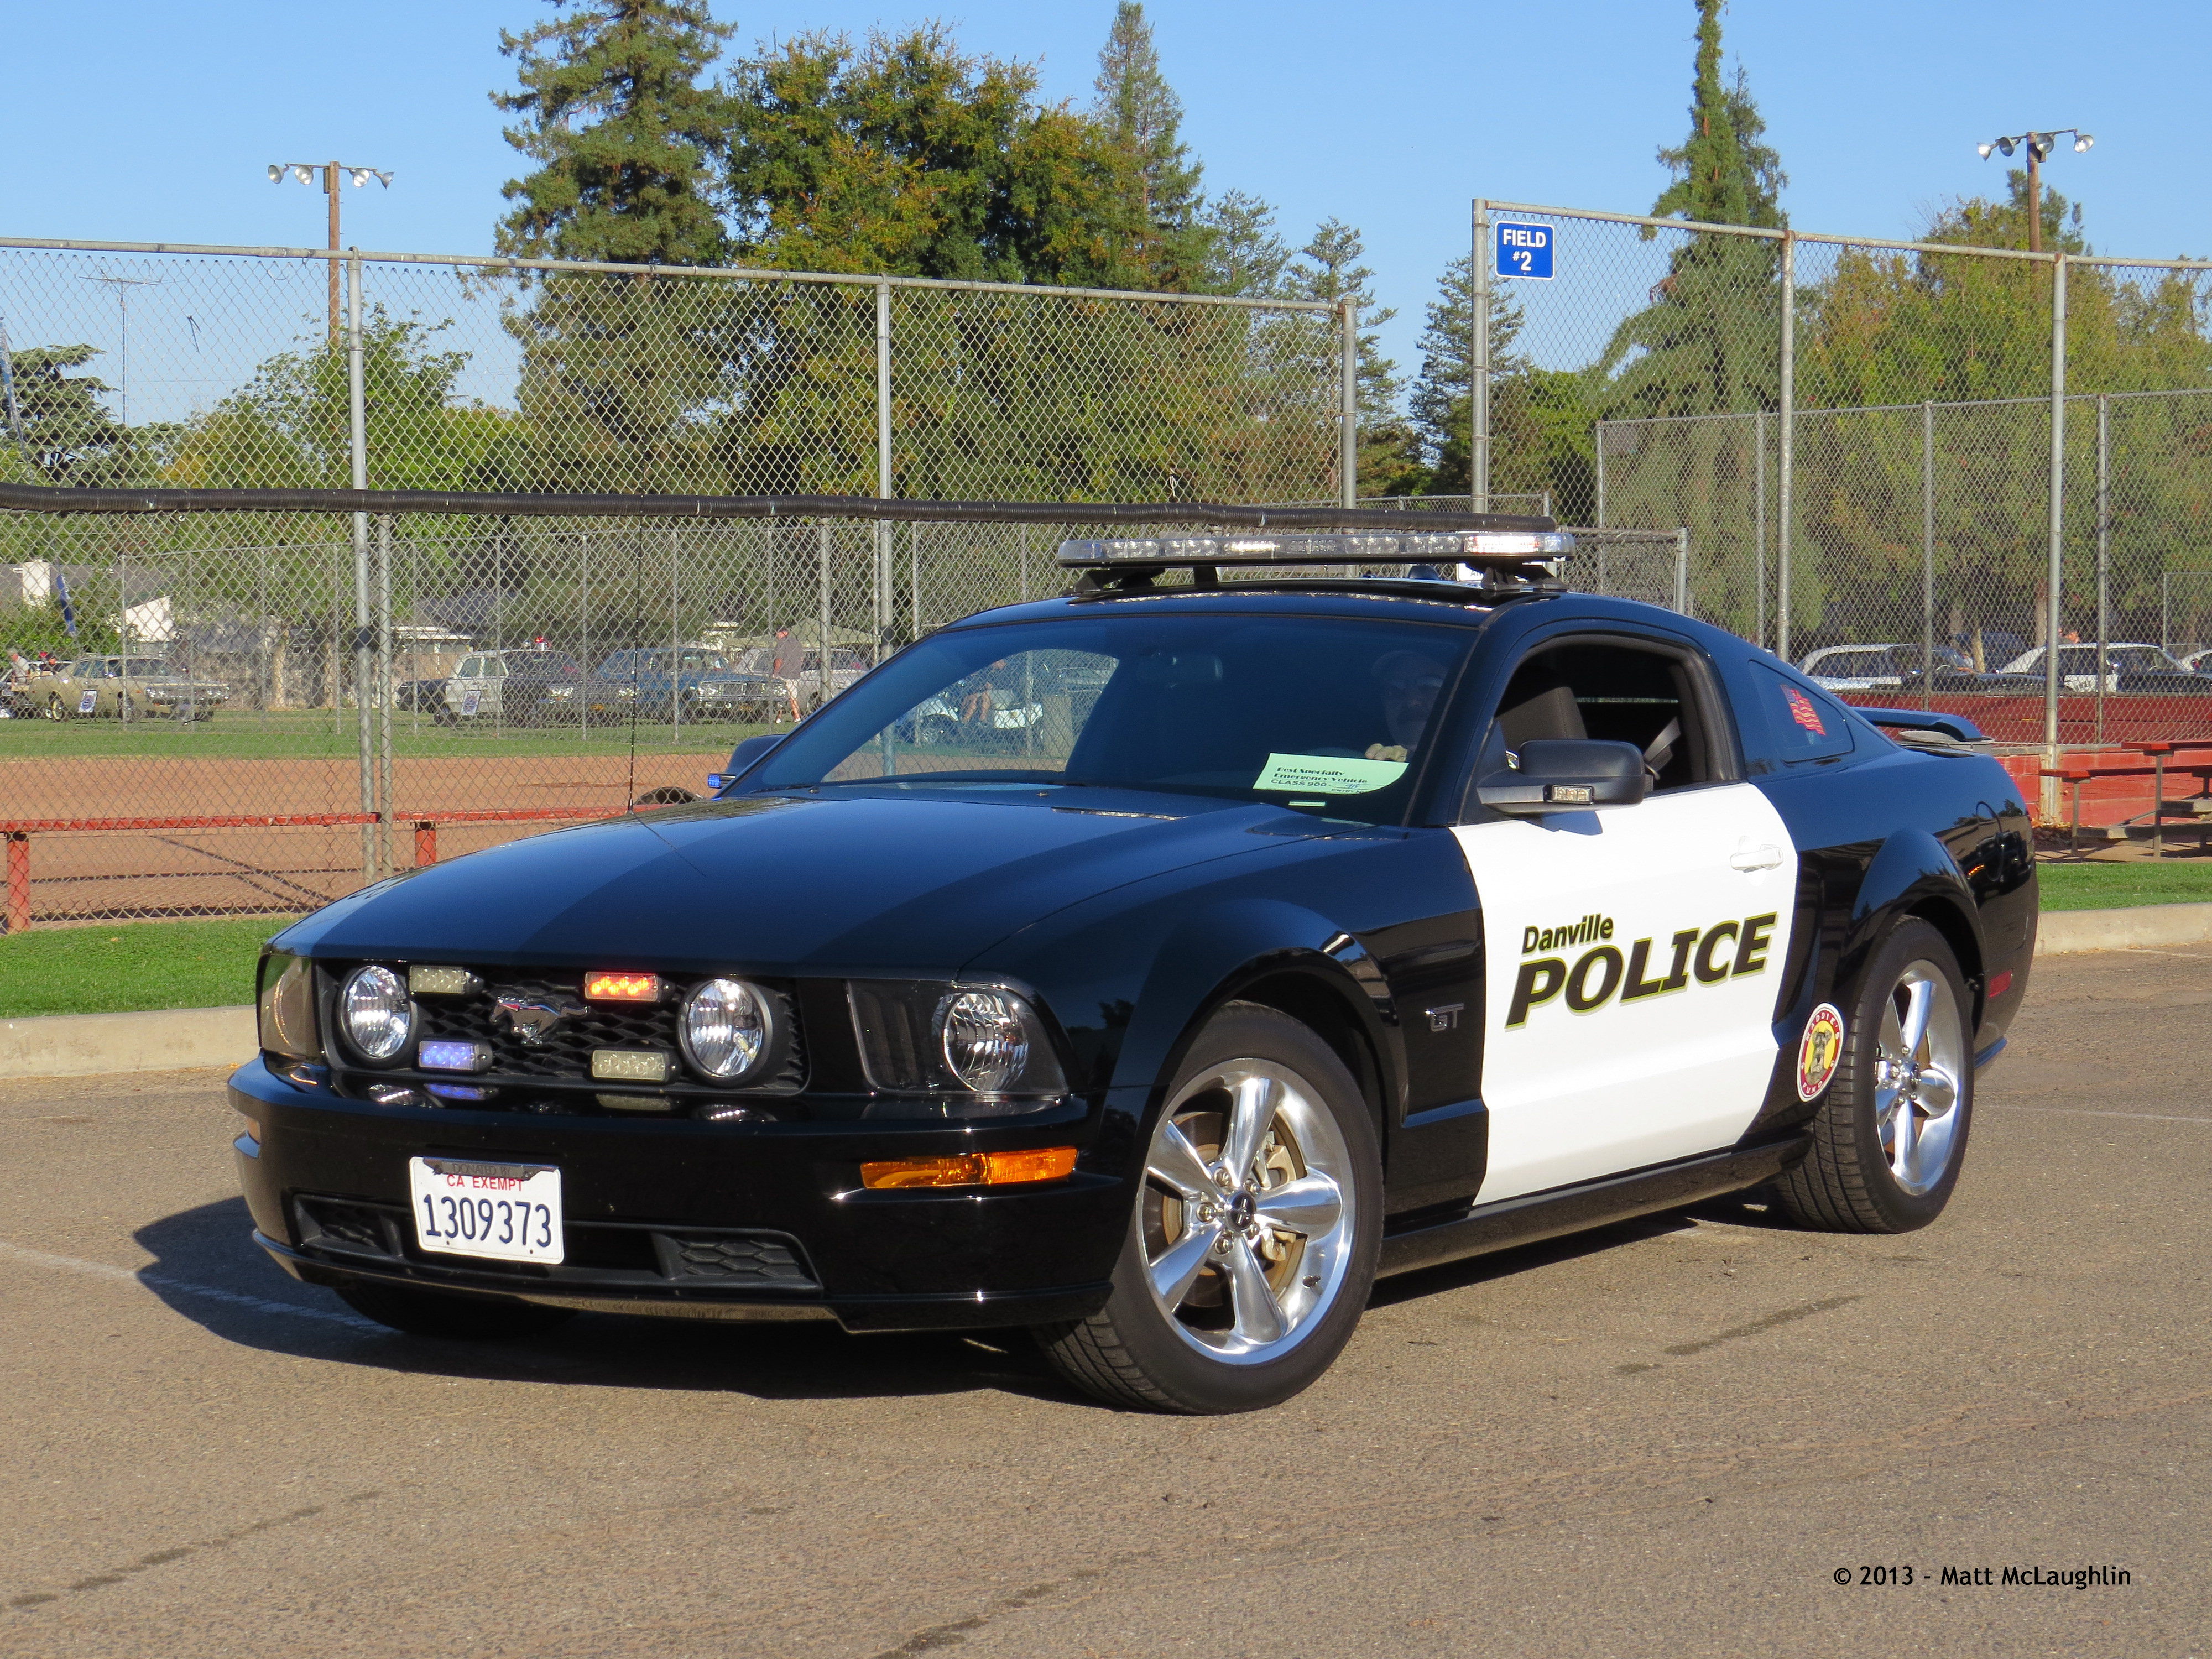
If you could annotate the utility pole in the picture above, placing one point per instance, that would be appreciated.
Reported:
(2038, 145)
(305, 171)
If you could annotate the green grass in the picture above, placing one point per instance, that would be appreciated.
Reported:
(311, 734)
(117, 969)
(2109, 886)
(210, 964)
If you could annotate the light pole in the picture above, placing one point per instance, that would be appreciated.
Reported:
(2038, 145)
(305, 171)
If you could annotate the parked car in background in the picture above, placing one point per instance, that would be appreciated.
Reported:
(656, 680)
(122, 688)
(1879, 667)
(2196, 660)
(424, 696)
(801, 668)
(518, 687)
(2129, 665)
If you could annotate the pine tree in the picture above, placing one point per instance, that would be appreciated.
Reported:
(1729, 177)
(625, 134)
(1388, 453)
(66, 433)
(1137, 106)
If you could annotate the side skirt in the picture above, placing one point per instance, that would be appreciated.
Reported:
(1536, 1216)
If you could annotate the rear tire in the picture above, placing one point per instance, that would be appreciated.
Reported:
(1891, 1133)
(55, 711)
(450, 1317)
(1252, 1244)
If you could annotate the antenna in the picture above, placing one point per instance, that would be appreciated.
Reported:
(123, 285)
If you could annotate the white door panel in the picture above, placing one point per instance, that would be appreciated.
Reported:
(1630, 964)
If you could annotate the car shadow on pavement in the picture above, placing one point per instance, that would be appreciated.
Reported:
(207, 1269)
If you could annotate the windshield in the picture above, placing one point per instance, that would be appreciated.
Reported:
(1306, 711)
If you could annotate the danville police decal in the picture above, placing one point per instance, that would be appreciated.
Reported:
(1819, 1051)
(1705, 956)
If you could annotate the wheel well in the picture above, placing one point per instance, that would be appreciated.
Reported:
(1323, 1011)
(1957, 933)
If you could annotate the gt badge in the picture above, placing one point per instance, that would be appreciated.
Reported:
(1819, 1052)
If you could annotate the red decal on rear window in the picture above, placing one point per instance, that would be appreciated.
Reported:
(1801, 710)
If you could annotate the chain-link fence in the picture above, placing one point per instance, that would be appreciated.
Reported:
(1908, 466)
(174, 676)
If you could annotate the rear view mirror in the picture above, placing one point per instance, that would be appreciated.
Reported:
(1558, 774)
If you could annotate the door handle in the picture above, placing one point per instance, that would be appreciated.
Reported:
(1755, 857)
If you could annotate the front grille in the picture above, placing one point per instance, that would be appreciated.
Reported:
(565, 1052)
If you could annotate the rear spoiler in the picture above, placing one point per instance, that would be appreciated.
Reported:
(1957, 726)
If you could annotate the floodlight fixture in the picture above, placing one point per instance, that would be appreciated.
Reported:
(276, 173)
(2039, 145)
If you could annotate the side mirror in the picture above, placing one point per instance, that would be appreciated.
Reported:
(744, 756)
(1559, 774)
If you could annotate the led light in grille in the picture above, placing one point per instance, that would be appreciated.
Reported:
(635, 1102)
(629, 1065)
(457, 1091)
(443, 1055)
(375, 1011)
(441, 982)
(972, 1168)
(726, 1029)
(622, 987)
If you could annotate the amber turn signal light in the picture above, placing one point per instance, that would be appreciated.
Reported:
(622, 987)
(972, 1168)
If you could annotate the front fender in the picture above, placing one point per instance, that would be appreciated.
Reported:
(1913, 873)
(1220, 950)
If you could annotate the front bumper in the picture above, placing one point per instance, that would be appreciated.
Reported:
(775, 1211)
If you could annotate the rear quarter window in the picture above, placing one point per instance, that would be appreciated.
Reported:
(1802, 722)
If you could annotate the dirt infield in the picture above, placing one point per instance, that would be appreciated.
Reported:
(101, 875)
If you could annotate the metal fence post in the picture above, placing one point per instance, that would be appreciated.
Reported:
(2057, 574)
(2104, 548)
(1927, 552)
(357, 415)
(384, 694)
(1682, 570)
(1347, 437)
(1759, 527)
(1786, 460)
(883, 604)
(1478, 400)
(822, 656)
(1598, 523)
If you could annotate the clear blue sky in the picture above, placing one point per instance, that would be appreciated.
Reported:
(147, 119)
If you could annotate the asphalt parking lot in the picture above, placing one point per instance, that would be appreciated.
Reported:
(1670, 1437)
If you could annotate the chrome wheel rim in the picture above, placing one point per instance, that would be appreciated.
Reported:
(1919, 1076)
(1247, 1219)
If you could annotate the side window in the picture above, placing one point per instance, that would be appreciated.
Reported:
(1615, 690)
(470, 668)
(1804, 722)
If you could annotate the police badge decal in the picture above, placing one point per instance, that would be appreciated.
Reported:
(1819, 1052)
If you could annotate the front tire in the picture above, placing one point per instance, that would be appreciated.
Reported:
(1252, 1245)
(1891, 1133)
(449, 1317)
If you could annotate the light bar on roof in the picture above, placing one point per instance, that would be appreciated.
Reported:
(1326, 547)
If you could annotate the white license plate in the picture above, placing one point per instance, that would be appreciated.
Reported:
(507, 1212)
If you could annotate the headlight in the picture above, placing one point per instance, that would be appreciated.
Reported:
(288, 1006)
(984, 1040)
(728, 1029)
(376, 1014)
(929, 1037)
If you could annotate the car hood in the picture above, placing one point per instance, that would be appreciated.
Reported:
(787, 885)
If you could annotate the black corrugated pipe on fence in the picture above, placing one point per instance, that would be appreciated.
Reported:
(41, 498)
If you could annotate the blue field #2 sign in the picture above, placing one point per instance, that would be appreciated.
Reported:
(1524, 250)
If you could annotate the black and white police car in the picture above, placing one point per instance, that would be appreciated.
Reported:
(1219, 942)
